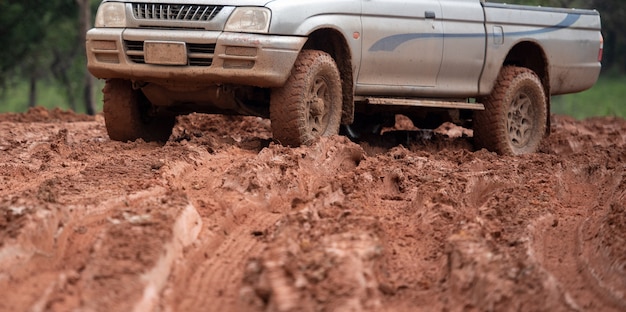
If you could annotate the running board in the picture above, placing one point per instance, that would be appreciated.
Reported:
(425, 103)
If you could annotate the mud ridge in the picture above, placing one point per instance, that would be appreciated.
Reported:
(221, 218)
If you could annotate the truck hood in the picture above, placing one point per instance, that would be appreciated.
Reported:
(207, 2)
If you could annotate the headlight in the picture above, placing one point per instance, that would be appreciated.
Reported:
(111, 14)
(249, 19)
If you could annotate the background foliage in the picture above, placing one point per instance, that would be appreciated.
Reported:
(42, 58)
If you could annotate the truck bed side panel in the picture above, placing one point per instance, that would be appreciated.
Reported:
(570, 39)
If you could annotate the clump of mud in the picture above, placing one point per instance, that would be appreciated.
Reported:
(41, 114)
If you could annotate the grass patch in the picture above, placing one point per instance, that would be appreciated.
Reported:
(49, 94)
(606, 98)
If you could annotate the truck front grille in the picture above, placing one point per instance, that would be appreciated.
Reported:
(175, 12)
(199, 54)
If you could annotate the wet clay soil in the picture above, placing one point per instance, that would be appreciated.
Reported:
(220, 218)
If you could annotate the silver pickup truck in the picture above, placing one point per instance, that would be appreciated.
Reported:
(312, 66)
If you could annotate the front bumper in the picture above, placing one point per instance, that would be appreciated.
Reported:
(213, 57)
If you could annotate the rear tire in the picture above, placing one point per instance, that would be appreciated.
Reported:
(126, 114)
(515, 115)
(309, 105)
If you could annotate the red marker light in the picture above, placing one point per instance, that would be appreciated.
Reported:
(601, 48)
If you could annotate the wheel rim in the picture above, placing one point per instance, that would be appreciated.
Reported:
(318, 105)
(520, 120)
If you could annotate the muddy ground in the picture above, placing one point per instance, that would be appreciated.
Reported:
(222, 219)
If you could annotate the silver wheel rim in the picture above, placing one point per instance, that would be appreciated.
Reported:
(520, 120)
(318, 106)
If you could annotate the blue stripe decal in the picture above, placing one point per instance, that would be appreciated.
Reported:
(388, 44)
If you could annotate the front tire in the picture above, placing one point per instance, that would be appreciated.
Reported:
(309, 105)
(515, 115)
(127, 114)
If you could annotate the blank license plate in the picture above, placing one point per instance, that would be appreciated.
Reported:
(165, 53)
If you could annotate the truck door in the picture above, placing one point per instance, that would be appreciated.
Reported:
(464, 47)
(402, 45)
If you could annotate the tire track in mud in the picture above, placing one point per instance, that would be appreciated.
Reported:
(218, 267)
(101, 224)
(209, 268)
(119, 259)
(601, 247)
(257, 190)
(571, 251)
(71, 216)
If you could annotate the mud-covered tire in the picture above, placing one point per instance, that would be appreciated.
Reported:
(515, 115)
(309, 105)
(126, 114)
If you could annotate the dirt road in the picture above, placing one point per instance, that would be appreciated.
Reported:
(222, 219)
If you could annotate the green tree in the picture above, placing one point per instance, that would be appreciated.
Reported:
(43, 40)
(84, 21)
(21, 27)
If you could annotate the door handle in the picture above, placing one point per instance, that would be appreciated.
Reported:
(430, 14)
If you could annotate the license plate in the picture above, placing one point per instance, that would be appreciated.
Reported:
(165, 53)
